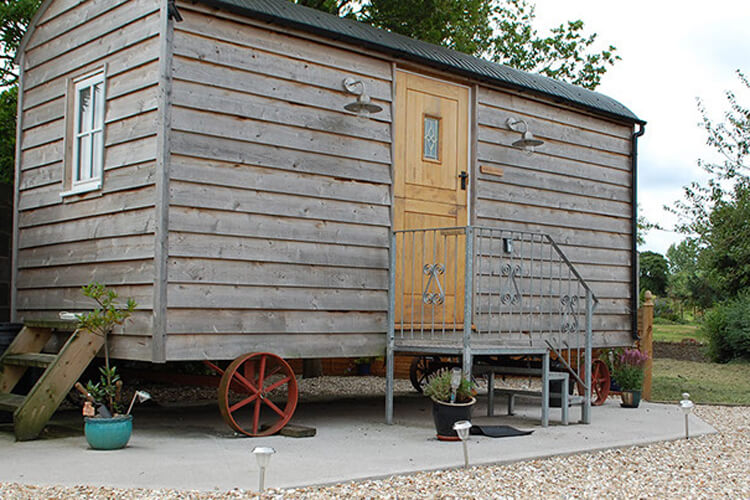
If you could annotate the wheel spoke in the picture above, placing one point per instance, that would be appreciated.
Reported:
(256, 416)
(277, 384)
(242, 403)
(245, 382)
(274, 407)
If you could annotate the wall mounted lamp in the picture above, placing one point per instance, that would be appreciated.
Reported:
(527, 142)
(363, 106)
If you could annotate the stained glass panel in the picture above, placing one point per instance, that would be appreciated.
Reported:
(431, 137)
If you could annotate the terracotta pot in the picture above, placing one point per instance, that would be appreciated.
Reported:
(630, 399)
(447, 414)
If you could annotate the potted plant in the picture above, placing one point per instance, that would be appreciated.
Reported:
(452, 400)
(362, 365)
(106, 427)
(628, 370)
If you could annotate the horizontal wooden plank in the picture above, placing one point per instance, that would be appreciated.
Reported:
(275, 180)
(71, 299)
(42, 155)
(198, 347)
(505, 156)
(554, 130)
(116, 249)
(553, 112)
(138, 150)
(43, 134)
(83, 30)
(120, 224)
(93, 207)
(579, 202)
(199, 20)
(273, 250)
(252, 131)
(259, 202)
(139, 272)
(121, 178)
(237, 151)
(261, 226)
(217, 51)
(78, 14)
(134, 103)
(246, 297)
(41, 176)
(130, 129)
(562, 235)
(44, 113)
(559, 149)
(270, 321)
(513, 211)
(292, 91)
(56, 9)
(138, 324)
(118, 62)
(231, 272)
(132, 79)
(595, 256)
(96, 49)
(557, 182)
(333, 119)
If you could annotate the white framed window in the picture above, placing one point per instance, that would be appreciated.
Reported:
(87, 134)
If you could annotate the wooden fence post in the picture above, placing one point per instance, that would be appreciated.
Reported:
(646, 331)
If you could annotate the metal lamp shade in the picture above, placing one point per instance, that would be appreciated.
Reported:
(263, 455)
(462, 428)
(363, 106)
(527, 141)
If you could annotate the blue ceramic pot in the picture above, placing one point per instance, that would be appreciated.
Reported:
(108, 433)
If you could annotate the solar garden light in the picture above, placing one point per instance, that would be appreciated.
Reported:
(142, 396)
(462, 428)
(263, 456)
(455, 382)
(686, 406)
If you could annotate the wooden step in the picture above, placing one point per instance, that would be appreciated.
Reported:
(10, 402)
(61, 325)
(36, 359)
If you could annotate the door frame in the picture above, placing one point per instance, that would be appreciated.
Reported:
(469, 132)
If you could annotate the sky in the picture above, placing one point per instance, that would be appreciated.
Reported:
(672, 52)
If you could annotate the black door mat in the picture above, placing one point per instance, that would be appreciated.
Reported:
(497, 431)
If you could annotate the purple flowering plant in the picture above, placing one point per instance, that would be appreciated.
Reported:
(628, 369)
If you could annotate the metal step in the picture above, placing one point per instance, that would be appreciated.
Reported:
(36, 359)
(9, 402)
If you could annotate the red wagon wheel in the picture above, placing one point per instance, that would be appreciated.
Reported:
(252, 392)
(600, 381)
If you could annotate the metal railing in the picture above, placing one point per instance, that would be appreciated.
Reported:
(476, 287)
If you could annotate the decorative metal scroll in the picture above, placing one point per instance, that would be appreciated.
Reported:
(512, 294)
(433, 271)
(569, 323)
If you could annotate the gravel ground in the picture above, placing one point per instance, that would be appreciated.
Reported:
(714, 466)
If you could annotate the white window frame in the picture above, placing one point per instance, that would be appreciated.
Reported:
(94, 182)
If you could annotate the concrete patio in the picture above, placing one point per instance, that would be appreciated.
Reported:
(190, 447)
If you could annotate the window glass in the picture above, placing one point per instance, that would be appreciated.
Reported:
(88, 146)
(431, 137)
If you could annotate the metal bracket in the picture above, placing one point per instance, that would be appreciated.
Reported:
(433, 271)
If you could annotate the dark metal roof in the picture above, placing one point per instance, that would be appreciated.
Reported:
(320, 23)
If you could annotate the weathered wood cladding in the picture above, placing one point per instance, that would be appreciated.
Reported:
(279, 198)
(576, 187)
(105, 235)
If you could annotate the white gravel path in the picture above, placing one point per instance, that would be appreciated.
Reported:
(712, 466)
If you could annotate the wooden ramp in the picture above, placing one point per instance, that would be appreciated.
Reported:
(32, 411)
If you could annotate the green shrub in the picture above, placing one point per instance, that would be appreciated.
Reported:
(727, 327)
(439, 387)
(628, 369)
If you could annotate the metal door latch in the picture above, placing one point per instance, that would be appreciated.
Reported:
(464, 177)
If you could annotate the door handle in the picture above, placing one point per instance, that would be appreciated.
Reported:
(464, 177)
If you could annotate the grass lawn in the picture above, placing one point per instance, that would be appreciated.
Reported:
(675, 333)
(706, 382)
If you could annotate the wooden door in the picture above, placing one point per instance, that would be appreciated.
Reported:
(430, 191)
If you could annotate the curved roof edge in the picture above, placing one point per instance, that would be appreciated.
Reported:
(286, 13)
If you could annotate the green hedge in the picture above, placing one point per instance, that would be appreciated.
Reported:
(727, 326)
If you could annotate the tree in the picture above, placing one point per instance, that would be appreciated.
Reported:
(717, 213)
(687, 283)
(7, 134)
(498, 30)
(16, 15)
(654, 271)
